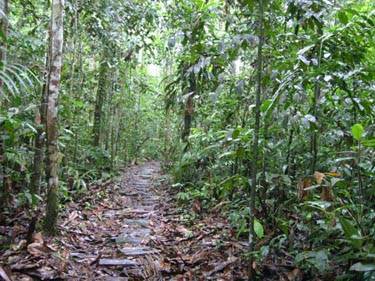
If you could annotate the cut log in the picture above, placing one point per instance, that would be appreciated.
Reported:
(116, 279)
(117, 262)
(141, 251)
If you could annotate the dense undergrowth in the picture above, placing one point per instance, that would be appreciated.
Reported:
(314, 203)
(262, 109)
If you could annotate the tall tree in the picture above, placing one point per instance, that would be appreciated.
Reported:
(4, 178)
(100, 97)
(54, 76)
(254, 169)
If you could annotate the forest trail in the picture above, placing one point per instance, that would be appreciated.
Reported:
(130, 229)
(128, 219)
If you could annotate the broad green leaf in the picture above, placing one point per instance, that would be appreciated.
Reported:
(357, 131)
(258, 229)
(348, 228)
(351, 233)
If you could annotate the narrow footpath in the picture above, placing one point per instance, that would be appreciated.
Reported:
(130, 229)
(121, 225)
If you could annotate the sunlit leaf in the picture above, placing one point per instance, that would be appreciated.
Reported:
(357, 131)
(258, 229)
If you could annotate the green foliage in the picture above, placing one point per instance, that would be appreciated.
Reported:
(168, 61)
(357, 131)
(317, 114)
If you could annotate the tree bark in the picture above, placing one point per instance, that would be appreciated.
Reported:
(53, 87)
(189, 110)
(315, 110)
(256, 132)
(4, 178)
(39, 146)
(100, 97)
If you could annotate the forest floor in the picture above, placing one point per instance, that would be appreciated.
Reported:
(127, 229)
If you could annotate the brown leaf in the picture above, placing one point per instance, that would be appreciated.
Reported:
(326, 194)
(73, 215)
(38, 247)
(294, 275)
(4, 275)
(38, 119)
(197, 206)
(302, 185)
(19, 246)
(183, 230)
(221, 266)
(38, 238)
(319, 177)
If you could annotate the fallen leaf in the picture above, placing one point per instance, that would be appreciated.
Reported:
(37, 248)
(38, 238)
(221, 266)
(19, 246)
(4, 275)
(184, 231)
(73, 215)
(294, 274)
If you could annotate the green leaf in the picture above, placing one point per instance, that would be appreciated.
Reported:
(369, 142)
(351, 233)
(319, 259)
(343, 18)
(348, 228)
(363, 267)
(357, 131)
(265, 105)
(258, 229)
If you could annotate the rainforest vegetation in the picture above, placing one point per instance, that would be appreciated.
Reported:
(259, 113)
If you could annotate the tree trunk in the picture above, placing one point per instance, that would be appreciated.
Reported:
(315, 111)
(38, 153)
(53, 85)
(4, 7)
(4, 178)
(100, 96)
(256, 132)
(189, 110)
(39, 146)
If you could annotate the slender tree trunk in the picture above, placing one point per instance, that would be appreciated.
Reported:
(256, 131)
(40, 120)
(315, 112)
(55, 65)
(109, 120)
(80, 86)
(4, 177)
(114, 128)
(100, 97)
(4, 7)
(39, 146)
(189, 110)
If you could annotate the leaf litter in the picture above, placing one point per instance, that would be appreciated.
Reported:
(128, 229)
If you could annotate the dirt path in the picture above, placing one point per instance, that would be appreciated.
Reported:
(126, 254)
(103, 235)
(128, 229)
